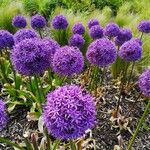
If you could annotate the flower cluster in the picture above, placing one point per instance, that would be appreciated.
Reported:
(19, 22)
(144, 26)
(68, 61)
(69, 112)
(92, 23)
(78, 28)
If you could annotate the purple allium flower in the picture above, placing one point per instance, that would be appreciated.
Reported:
(144, 82)
(76, 40)
(101, 52)
(111, 30)
(60, 22)
(38, 22)
(124, 35)
(3, 115)
(144, 26)
(69, 112)
(93, 22)
(23, 34)
(19, 22)
(68, 61)
(96, 32)
(6, 39)
(138, 40)
(130, 51)
(78, 28)
(31, 57)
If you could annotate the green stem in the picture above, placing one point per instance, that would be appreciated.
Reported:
(103, 76)
(40, 33)
(31, 87)
(139, 126)
(50, 78)
(141, 36)
(56, 144)
(72, 145)
(48, 140)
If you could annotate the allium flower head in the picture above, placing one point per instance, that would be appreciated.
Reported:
(3, 115)
(23, 34)
(96, 32)
(144, 26)
(68, 61)
(38, 22)
(138, 40)
(19, 22)
(78, 28)
(59, 22)
(76, 40)
(6, 39)
(130, 51)
(124, 35)
(101, 52)
(69, 112)
(144, 82)
(111, 30)
(93, 22)
(31, 57)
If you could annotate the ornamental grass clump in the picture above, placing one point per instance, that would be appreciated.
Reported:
(92, 23)
(19, 21)
(69, 112)
(78, 28)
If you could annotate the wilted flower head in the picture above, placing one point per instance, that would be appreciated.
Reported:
(78, 28)
(130, 51)
(69, 112)
(101, 52)
(23, 34)
(111, 30)
(92, 23)
(6, 39)
(144, 26)
(123, 36)
(3, 115)
(59, 22)
(38, 22)
(96, 32)
(31, 57)
(144, 82)
(68, 61)
(19, 22)
(76, 40)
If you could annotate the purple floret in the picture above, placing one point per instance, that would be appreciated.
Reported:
(78, 28)
(144, 82)
(76, 40)
(60, 22)
(144, 26)
(93, 22)
(124, 35)
(19, 22)
(96, 32)
(111, 30)
(23, 34)
(69, 112)
(101, 52)
(6, 39)
(138, 40)
(3, 115)
(130, 51)
(31, 57)
(38, 22)
(68, 61)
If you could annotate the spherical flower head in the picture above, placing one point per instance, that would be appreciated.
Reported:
(23, 34)
(31, 57)
(3, 115)
(96, 32)
(19, 22)
(123, 36)
(76, 40)
(93, 22)
(101, 52)
(78, 28)
(6, 39)
(68, 61)
(38, 22)
(69, 112)
(59, 22)
(144, 82)
(130, 51)
(144, 26)
(138, 40)
(111, 30)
